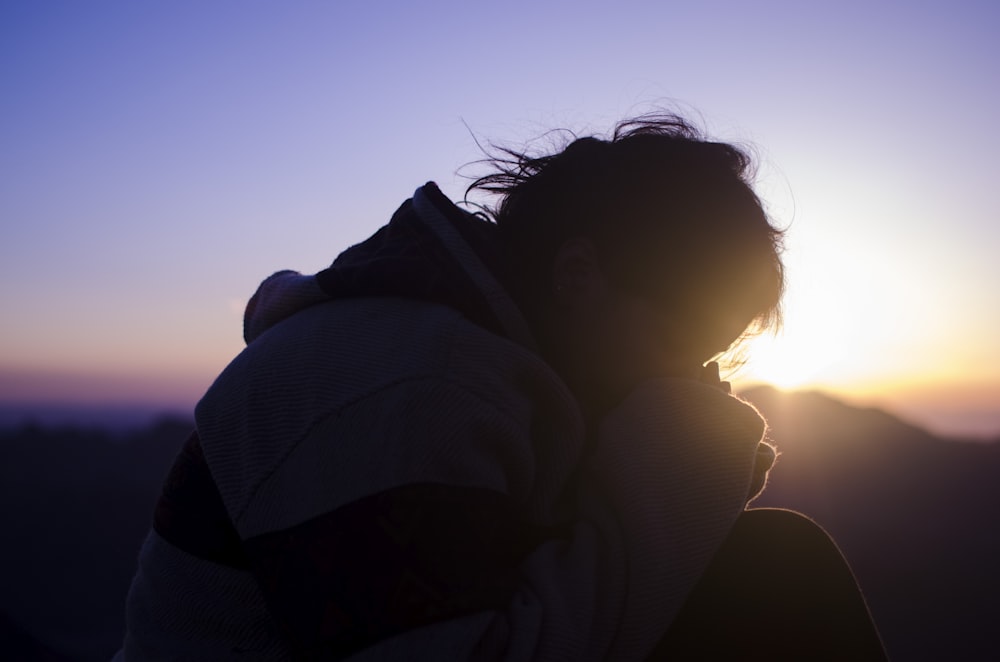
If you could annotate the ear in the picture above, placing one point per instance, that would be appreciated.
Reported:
(577, 277)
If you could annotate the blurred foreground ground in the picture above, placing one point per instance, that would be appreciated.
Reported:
(915, 515)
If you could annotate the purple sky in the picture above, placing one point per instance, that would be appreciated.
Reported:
(157, 159)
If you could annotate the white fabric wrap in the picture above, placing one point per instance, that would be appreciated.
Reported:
(657, 497)
(675, 463)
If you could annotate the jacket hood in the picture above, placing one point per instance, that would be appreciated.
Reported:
(430, 250)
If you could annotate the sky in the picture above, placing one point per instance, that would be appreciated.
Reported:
(158, 159)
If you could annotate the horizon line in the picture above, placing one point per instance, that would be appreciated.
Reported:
(123, 414)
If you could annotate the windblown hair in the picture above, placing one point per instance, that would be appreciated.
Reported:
(672, 214)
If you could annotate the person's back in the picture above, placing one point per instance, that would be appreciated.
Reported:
(471, 439)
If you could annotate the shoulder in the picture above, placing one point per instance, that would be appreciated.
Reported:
(390, 371)
(348, 348)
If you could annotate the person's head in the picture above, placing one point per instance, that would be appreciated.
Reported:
(644, 254)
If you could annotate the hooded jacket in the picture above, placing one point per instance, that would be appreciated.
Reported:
(389, 470)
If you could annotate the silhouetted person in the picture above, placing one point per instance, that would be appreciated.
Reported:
(498, 438)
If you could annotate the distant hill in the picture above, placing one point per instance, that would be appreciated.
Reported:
(18, 646)
(75, 505)
(117, 419)
(915, 515)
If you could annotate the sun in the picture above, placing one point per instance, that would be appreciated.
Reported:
(785, 361)
(819, 344)
(836, 319)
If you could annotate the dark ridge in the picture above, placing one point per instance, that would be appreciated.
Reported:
(75, 505)
(113, 419)
(18, 645)
(915, 515)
